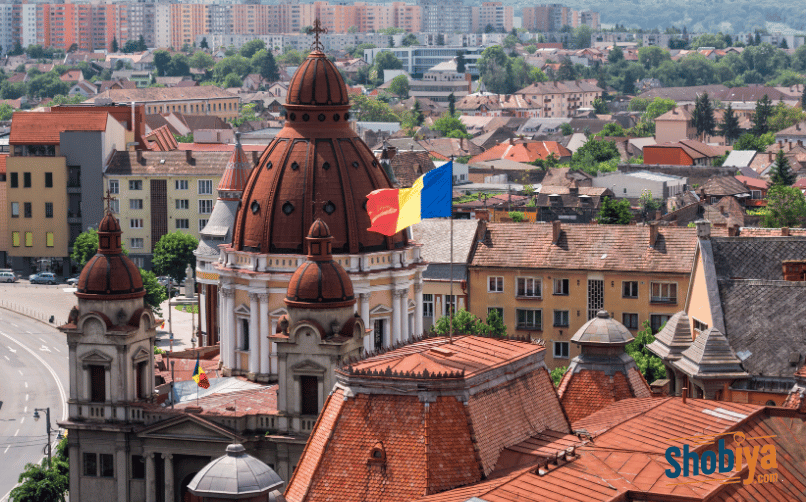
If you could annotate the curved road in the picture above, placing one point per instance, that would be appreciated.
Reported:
(33, 374)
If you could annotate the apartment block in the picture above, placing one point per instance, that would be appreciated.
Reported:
(445, 16)
(553, 17)
(561, 99)
(494, 14)
(202, 100)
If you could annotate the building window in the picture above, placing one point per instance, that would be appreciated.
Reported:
(136, 223)
(657, 321)
(114, 205)
(244, 345)
(561, 287)
(15, 209)
(29, 239)
(205, 206)
(182, 204)
(630, 321)
(138, 467)
(15, 239)
(450, 304)
(309, 394)
(182, 224)
(135, 184)
(107, 465)
(49, 239)
(136, 243)
(664, 292)
(699, 326)
(114, 186)
(529, 319)
(90, 464)
(13, 180)
(560, 318)
(205, 187)
(428, 305)
(529, 287)
(561, 350)
(48, 209)
(48, 180)
(97, 383)
(135, 203)
(202, 224)
(181, 184)
(139, 261)
(500, 311)
(495, 284)
(629, 289)
(26, 180)
(27, 208)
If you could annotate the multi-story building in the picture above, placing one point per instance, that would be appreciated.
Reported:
(205, 100)
(553, 17)
(547, 280)
(418, 60)
(494, 14)
(561, 99)
(445, 16)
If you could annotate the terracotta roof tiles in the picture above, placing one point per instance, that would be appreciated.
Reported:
(520, 151)
(587, 391)
(44, 128)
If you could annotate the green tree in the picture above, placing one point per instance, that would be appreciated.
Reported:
(784, 116)
(451, 105)
(566, 71)
(162, 60)
(495, 70)
(648, 204)
(155, 292)
(114, 47)
(409, 40)
(600, 106)
(582, 36)
(370, 109)
(762, 115)
(450, 126)
(729, 128)
(658, 107)
(704, 116)
(47, 85)
(615, 212)
(638, 104)
(611, 129)
(748, 141)
(180, 65)
(6, 111)
(557, 375)
(251, 47)
(780, 172)
(247, 114)
(616, 55)
(465, 323)
(460, 62)
(652, 56)
(786, 207)
(263, 64)
(173, 253)
(290, 57)
(400, 86)
(496, 323)
(237, 64)
(599, 150)
(17, 50)
(517, 216)
(709, 40)
(86, 246)
(419, 118)
(201, 61)
(803, 96)
(203, 44)
(40, 483)
(650, 365)
(566, 129)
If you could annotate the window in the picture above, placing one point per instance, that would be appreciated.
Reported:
(48, 180)
(135, 184)
(205, 206)
(561, 350)
(27, 208)
(560, 318)
(495, 284)
(629, 289)
(29, 239)
(202, 224)
(136, 243)
(529, 319)
(48, 209)
(97, 383)
(135, 203)
(657, 321)
(244, 334)
(500, 311)
(49, 239)
(136, 223)
(181, 184)
(428, 305)
(90, 464)
(15, 239)
(529, 287)
(664, 292)
(107, 465)
(755, 194)
(309, 387)
(14, 180)
(26, 180)
(182, 224)
(15, 209)
(138, 467)
(114, 205)
(114, 186)
(205, 187)
(182, 204)
(630, 321)
(699, 326)
(561, 287)
(450, 304)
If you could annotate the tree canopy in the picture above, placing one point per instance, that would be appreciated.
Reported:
(173, 253)
(86, 246)
(38, 483)
(465, 323)
(650, 365)
(373, 110)
(780, 172)
(155, 292)
(786, 207)
(615, 212)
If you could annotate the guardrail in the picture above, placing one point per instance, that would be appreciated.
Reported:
(30, 312)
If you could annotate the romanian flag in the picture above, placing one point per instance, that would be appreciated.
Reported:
(199, 376)
(391, 209)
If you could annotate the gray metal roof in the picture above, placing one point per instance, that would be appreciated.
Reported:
(710, 355)
(673, 339)
(236, 474)
(442, 272)
(739, 158)
(603, 330)
(218, 229)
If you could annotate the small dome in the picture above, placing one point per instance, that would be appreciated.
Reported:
(110, 274)
(320, 282)
(603, 330)
(235, 475)
(317, 82)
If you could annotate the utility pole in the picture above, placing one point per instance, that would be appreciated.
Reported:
(47, 426)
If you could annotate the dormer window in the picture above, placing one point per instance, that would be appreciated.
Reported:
(377, 455)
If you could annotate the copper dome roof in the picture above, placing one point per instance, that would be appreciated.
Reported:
(320, 282)
(316, 167)
(110, 274)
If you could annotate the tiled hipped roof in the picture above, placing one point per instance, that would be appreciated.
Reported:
(44, 128)
(587, 247)
(587, 391)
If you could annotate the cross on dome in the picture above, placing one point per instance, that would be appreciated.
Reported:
(316, 30)
(109, 200)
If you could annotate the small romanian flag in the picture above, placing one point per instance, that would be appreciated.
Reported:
(391, 209)
(199, 376)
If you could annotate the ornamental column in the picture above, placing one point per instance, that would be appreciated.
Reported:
(228, 333)
(264, 341)
(169, 477)
(151, 478)
(418, 307)
(395, 332)
(254, 330)
(404, 315)
(71, 346)
(364, 306)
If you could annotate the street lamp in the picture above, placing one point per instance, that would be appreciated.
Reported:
(47, 426)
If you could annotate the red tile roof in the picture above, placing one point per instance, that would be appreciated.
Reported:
(586, 391)
(3, 158)
(218, 147)
(43, 128)
(753, 182)
(522, 151)
(160, 139)
(587, 247)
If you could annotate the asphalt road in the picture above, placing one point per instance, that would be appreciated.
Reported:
(33, 374)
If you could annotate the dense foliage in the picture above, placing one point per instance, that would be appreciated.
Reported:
(650, 365)
(465, 323)
(38, 483)
(173, 253)
(155, 292)
(786, 207)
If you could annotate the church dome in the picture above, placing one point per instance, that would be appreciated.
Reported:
(315, 168)
(110, 274)
(320, 282)
(236, 475)
(603, 330)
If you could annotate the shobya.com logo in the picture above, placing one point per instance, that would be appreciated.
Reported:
(760, 459)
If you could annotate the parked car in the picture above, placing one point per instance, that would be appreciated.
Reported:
(44, 278)
(164, 280)
(73, 280)
(8, 277)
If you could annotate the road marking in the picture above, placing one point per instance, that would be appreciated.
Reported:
(22, 421)
(7, 359)
(25, 410)
(7, 447)
(26, 385)
(44, 349)
(43, 340)
(18, 431)
(26, 397)
(14, 325)
(28, 332)
(13, 351)
(57, 350)
(20, 372)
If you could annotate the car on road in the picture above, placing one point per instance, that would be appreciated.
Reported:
(73, 281)
(164, 280)
(44, 278)
(8, 277)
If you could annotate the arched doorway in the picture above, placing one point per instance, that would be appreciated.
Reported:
(184, 494)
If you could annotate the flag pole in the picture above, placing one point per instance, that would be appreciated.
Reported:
(450, 296)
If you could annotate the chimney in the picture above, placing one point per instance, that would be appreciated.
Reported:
(511, 141)
(685, 394)
(653, 233)
(555, 232)
(189, 157)
(703, 229)
(574, 188)
(785, 231)
(254, 158)
(139, 156)
(733, 230)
